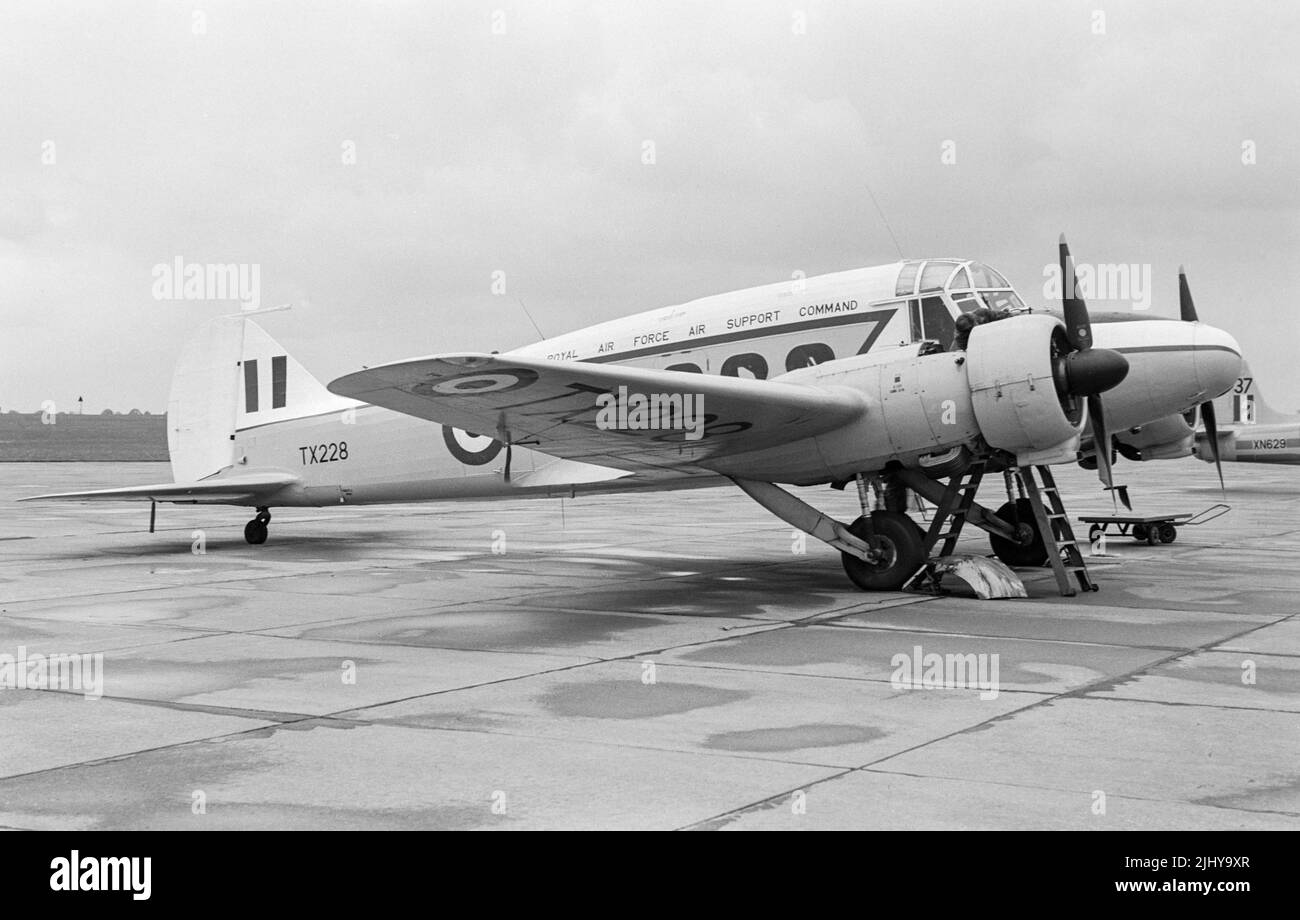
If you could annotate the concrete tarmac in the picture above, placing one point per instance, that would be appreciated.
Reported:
(642, 661)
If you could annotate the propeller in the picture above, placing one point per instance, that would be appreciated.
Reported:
(1187, 309)
(1086, 371)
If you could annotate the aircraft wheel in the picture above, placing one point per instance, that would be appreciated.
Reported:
(898, 538)
(946, 463)
(1168, 533)
(1140, 532)
(255, 532)
(1030, 551)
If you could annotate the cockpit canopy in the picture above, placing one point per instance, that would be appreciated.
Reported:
(939, 289)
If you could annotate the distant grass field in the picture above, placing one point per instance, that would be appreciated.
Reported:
(23, 437)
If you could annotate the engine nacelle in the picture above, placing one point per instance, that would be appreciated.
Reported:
(1013, 385)
(1167, 438)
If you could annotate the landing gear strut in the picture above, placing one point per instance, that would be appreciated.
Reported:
(255, 530)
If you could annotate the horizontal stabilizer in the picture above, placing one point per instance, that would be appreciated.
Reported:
(238, 488)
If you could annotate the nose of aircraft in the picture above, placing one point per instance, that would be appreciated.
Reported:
(1218, 359)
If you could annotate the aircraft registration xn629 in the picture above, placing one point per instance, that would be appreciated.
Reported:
(896, 378)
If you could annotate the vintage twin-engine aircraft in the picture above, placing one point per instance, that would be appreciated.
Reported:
(866, 375)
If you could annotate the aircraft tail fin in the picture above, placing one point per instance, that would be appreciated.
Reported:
(1244, 404)
(230, 376)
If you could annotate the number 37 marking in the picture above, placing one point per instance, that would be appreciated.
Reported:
(1243, 384)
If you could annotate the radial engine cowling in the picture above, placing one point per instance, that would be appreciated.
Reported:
(1021, 401)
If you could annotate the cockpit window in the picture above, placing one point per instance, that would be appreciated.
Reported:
(1002, 300)
(967, 302)
(936, 275)
(985, 277)
(907, 279)
(961, 281)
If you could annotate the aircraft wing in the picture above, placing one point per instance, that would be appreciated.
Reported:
(238, 488)
(553, 407)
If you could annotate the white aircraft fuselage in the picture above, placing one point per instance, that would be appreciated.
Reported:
(849, 327)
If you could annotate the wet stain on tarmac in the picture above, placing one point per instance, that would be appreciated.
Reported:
(793, 738)
(631, 699)
(112, 794)
(174, 678)
(1280, 795)
(479, 629)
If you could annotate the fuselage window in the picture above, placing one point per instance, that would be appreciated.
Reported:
(685, 368)
(937, 321)
(753, 365)
(808, 355)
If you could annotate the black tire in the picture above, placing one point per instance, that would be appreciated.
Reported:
(951, 462)
(255, 532)
(1032, 553)
(900, 537)
(1140, 532)
(1168, 533)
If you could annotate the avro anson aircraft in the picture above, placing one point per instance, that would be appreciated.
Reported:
(869, 376)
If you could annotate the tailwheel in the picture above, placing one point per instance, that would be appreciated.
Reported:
(899, 548)
(1028, 549)
(255, 531)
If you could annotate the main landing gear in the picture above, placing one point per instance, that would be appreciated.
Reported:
(255, 530)
(885, 550)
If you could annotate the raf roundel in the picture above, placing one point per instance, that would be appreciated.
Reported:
(469, 448)
(476, 384)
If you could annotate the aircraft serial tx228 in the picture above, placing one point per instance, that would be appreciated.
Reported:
(895, 377)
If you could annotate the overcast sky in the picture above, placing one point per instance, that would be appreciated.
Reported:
(510, 137)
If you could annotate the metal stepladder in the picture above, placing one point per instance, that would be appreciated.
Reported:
(952, 509)
(1063, 553)
(950, 512)
(958, 499)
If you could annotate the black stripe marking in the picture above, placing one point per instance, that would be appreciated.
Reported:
(758, 332)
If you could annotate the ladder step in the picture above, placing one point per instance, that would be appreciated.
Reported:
(1057, 517)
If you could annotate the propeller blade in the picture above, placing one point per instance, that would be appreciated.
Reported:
(1185, 306)
(510, 449)
(1212, 435)
(1078, 327)
(1101, 440)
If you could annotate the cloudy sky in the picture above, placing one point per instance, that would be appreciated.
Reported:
(381, 161)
